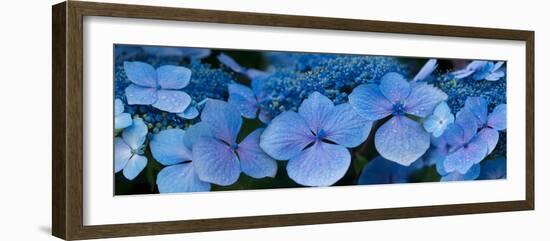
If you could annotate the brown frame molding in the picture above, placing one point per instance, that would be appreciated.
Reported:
(67, 119)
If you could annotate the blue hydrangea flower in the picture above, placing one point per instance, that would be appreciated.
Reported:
(467, 148)
(480, 69)
(122, 120)
(220, 159)
(173, 149)
(129, 150)
(382, 171)
(159, 88)
(252, 74)
(489, 124)
(493, 169)
(426, 70)
(401, 139)
(315, 140)
(439, 120)
(191, 53)
(471, 174)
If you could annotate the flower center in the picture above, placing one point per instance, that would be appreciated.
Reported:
(234, 146)
(321, 134)
(398, 109)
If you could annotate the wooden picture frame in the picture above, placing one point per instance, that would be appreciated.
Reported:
(67, 137)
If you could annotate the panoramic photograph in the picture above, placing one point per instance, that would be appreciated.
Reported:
(192, 119)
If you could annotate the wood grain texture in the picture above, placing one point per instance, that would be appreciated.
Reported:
(67, 136)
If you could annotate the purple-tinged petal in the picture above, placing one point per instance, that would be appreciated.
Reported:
(316, 110)
(322, 164)
(423, 99)
(369, 102)
(468, 122)
(426, 70)
(135, 135)
(382, 171)
(173, 77)
(135, 165)
(172, 101)
(345, 127)
(402, 140)
(215, 162)
(286, 136)
(141, 74)
(478, 107)
(465, 157)
(195, 133)
(119, 107)
(243, 98)
(231, 63)
(254, 161)
(471, 174)
(395, 87)
(180, 178)
(122, 154)
(168, 147)
(490, 136)
(137, 95)
(497, 118)
(189, 113)
(454, 135)
(438, 156)
(122, 121)
(493, 169)
(223, 118)
(265, 117)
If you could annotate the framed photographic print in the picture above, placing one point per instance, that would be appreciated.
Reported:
(171, 120)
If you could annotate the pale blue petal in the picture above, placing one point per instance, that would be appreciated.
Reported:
(402, 140)
(265, 117)
(140, 73)
(493, 169)
(438, 156)
(345, 127)
(423, 99)
(369, 102)
(172, 101)
(180, 178)
(195, 53)
(238, 89)
(286, 136)
(322, 164)
(454, 135)
(254, 161)
(243, 98)
(191, 112)
(490, 136)
(431, 124)
(426, 70)
(316, 110)
(123, 120)
(119, 107)
(394, 87)
(195, 133)
(122, 154)
(463, 73)
(478, 107)
(173, 77)
(382, 171)
(439, 120)
(215, 162)
(135, 165)
(137, 95)
(483, 71)
(168, 147)
(442, 110)
(495, 75)
(223, 118)
(497, 118)
(465, 157)
(231, 63)
(497, 66)
(467, 120)
(471, 174)
(135, 135)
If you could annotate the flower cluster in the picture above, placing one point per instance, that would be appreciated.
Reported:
(198, 120)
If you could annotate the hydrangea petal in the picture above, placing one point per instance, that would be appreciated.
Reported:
(402, 140)
(466, 120)
(471, 174)
(465, 157)
(123, 120)
(497, 118)
(191, 112)
(195, 133)
(265, 117)
(316, 109)
(119, 107)
(122, 154)
(223, 118)
(135, 135)
(493, 169)
(215, 162)
(238, 89)
(495, 76)
(135, 165)
(345, 127)
(180, 178)
(230, 62)
(426, 70)
(483, 71)
(173, 77)
(258, 80)
(254, 161)
(137, 95)
(454, 135)
(322, 164)
(168, 148)
(490, 136)
(423, 99)
(140, 73)
(172, 101)
(369, 102)
(247, 106)
(394, 87)
(382, 171)
(478, 107)
(497, 66)
(463, 73)
(286, 136)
